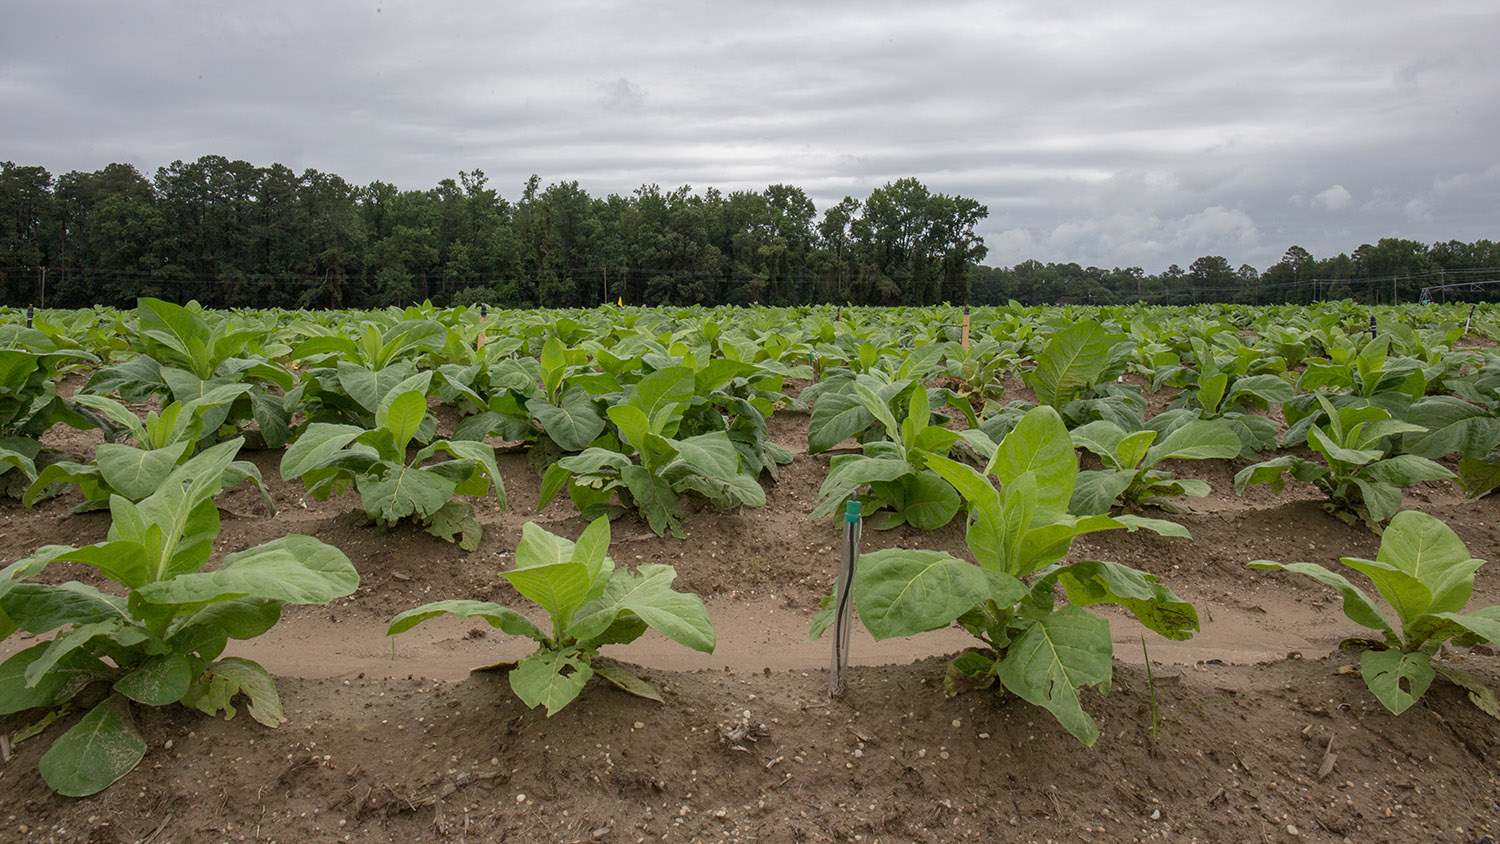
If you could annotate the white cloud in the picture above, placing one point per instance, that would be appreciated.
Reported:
(1335, 198)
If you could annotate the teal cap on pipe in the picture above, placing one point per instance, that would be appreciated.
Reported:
(851, 510)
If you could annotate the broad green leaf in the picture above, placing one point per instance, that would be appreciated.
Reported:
(318, 444)
(1090, 582)
(66, 678)
(1452, 425)
(502, 618)
(656, 500)
(158, 681)
(878, 410)
(634, 426)
(116, 413)
(1200, 439)
(1211, 391)
(1133, 448)
(136, 473)
(1073, 359)
(1054, 658)
(120, 560)
(479, 452)
(554, 480)
(974, 487)
(294, 569)
(1271, 389)
(836, 416)
(99, 749)
(679, 616)
(1040, 444)
(1478, 476)
(554, 365)
(935, 440)
(193, 482)
(1271, 472)
(540, 547)
(420, 382)
(1381, 500)
(1397, 679)
(180, 330)
(592, 547)
(40, 608)
(558, 588)
(455, 522)
(711, 455)
(628, 683)
(930, 501)
(272, 417)
(1103, 439)
(1407, 469)
(1331, 450)
(902, 592)
(404, 491)
(573, 424)
(662, 395)
(1428, 550)
(252, 681)
(1095, 491)
(550, 678)
(850, 472)
(206, 630)
(403, 418)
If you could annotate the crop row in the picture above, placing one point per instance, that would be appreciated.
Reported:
(629, 410)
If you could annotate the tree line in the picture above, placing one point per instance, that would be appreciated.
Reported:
(230, 234)
(1390, 270)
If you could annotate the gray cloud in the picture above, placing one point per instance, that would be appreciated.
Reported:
(1104, 133)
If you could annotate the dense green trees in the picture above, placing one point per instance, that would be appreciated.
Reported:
(1391, 269)
(231, 234)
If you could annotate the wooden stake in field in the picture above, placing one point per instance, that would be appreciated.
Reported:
(484, 312)
(843, 599)
(966, 328)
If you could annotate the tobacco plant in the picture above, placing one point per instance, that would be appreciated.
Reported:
(648, 423)
(188, 353)
(1229, 387)
(163, 441)
(1426, 575)
(329, 457)
(1018, 534)
(1360, 474)
(31, 364)
(590, 603)
(1077, 374)
(162, 642)
(1130, 459)
(1353, 374)
(895, 470)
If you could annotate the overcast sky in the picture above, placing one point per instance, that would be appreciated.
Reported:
(1107, 133)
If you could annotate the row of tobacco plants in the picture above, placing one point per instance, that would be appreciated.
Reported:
(627, 411)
